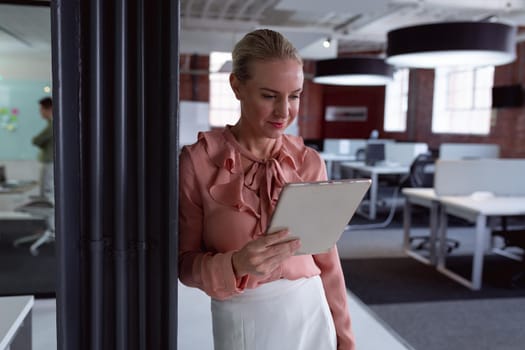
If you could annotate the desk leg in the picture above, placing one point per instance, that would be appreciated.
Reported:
(442, 230)
(328, 169)
(407, 223)
(434, 217)
(477, 261)
(479, 251)
(373, 197)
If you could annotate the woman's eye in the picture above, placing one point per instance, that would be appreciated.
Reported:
(294, 97)
(269, 96)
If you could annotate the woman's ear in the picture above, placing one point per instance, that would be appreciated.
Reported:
(235, 85)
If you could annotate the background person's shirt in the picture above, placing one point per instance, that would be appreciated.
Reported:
(44, 141)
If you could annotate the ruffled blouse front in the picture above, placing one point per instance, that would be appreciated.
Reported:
(226, 198)
(256, 189)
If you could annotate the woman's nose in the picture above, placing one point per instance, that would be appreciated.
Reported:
(281, 108)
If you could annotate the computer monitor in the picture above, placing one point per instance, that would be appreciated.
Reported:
(316, 144)
(3, 177)
(374, 153)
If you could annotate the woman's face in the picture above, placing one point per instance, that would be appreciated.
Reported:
(270, 99)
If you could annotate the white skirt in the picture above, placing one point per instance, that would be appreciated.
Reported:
(280, 315)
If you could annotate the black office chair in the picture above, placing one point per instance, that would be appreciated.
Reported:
(513, 238)
(360, 154)
(422, 175)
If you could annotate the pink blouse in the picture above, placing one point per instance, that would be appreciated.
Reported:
(221, 208)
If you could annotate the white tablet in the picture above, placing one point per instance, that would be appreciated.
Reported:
(317, 212)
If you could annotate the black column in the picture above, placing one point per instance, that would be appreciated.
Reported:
(115, 89)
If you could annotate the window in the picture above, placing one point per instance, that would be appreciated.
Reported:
(462, 100)
(224, 107)
(396, 102)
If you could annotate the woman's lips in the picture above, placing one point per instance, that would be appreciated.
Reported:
(277, 125)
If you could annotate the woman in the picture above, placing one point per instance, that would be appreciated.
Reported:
(263, 297)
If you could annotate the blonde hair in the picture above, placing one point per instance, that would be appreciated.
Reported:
(261, 45)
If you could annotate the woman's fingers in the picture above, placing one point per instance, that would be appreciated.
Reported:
(273, 238)
(277, 254)
(273, 256)
(264, 254)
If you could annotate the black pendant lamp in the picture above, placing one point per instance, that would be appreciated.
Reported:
(452, 44)
(353, 71)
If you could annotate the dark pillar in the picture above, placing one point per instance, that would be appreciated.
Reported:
(115, 89)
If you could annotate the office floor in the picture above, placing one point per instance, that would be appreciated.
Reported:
(195, 320)
(195, 324)
(44, 324)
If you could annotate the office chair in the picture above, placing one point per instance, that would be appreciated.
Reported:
(422, 175)
(43, 208)
(513, 238)
(360, 154)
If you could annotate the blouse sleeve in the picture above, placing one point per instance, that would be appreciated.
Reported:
(211, 272)
(330, 266)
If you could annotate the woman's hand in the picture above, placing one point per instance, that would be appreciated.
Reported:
(263, 255)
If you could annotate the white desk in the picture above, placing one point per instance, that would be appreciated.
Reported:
(15, 322)
(466, 207)
(374, 172)
(330, 158)
(17, 187)
(477, 211)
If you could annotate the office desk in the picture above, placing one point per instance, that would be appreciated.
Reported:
(15, 322)
(425, 197)
(477, 211)
(330, 158)
(374, 172)
(15, 193)
(17, 187)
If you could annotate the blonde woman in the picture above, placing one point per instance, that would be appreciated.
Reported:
(263, 297)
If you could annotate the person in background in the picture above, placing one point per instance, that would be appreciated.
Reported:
(263, 296)
(44, 141)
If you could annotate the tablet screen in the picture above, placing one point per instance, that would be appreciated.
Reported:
(317, 212)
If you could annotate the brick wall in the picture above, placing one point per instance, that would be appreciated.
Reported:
(317, 97)
(508, 124)
(507, 130)
(194, 78)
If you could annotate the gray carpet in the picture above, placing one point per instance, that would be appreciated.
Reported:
(428, 310)
(485, 324)
(408, 280)
(22, 273)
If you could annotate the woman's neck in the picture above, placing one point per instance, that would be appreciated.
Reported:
(260, 147)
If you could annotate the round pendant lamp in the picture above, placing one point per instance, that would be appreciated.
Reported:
(353, 71)
(452, 44)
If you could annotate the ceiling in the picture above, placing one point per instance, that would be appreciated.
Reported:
(215, 25)
(353, 26)
(25, 42)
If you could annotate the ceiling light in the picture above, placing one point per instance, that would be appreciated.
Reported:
(327, 42)
(452, 44)
(353, 71)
